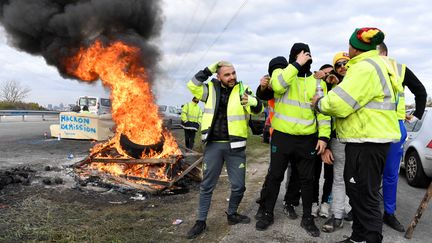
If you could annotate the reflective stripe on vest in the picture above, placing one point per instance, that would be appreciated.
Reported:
(282, 81)
(205, 93)
(196, 81)
(238, 144)
(237, 118)
(387, 104)
(284, 100)
(208, 111)
(294, 120)
(346, 97)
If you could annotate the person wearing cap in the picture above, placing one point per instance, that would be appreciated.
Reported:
(364, 106)
(334, 154)
(292, 194)
(299, 133)
(224, 130)
(391, 169)
(191, 119)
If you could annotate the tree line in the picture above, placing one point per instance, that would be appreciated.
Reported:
(12, 94)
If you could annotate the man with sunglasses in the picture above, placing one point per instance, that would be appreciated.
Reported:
(335, 153)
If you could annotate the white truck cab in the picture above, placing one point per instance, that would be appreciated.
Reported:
(96, 105)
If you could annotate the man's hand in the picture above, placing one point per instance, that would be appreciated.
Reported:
(327, 156)
(320, 147)
(319, 74)
(264, 82)
(332, 79)
(248, 100)
(303, 57)
(213, 67)
(314, 100)
(411, 118)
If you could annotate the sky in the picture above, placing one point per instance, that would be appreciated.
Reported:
(249, 34)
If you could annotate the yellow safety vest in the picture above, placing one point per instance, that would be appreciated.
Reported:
(237, 114)
(399, 70)
(191, 112)
(293, 112)
(364, 104)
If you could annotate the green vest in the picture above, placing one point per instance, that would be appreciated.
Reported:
(364, 104)
(293, 111)
(237, 114)
(191, 112)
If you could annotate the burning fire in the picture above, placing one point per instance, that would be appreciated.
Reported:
(119, 67)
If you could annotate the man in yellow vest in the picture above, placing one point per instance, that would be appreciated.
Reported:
(299, 134)
(391, 169)
(224, 128)
(364, 105)
(191, 119)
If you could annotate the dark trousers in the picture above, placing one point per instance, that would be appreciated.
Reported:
(299, 150)
(189, 138)
(292, 195)
(363, 171)
(328, 180)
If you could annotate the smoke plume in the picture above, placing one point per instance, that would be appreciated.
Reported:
(56, 29)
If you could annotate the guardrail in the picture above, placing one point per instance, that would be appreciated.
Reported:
(24, 113)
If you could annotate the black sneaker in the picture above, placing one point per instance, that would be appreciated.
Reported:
(260, 213)
(289, 211)
(264, 222)
(332, 224)
(391, 220)
(237, 218)
(197, 229)
(348, 217)
(309, 225)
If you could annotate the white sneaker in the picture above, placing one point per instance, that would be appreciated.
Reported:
(315, 209)
(324, 210)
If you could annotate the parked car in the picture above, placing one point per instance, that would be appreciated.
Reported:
(171, 116)
(418, 150)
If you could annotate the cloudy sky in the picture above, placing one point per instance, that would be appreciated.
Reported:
(248, 34)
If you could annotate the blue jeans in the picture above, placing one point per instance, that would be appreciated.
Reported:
(215, 154)
(391, 171)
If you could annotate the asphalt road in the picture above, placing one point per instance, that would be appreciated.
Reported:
(23, 143)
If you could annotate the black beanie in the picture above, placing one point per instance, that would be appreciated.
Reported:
(277, 62)
(296, 49)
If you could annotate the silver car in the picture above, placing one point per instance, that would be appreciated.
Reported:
(171, 116)
(418, 150)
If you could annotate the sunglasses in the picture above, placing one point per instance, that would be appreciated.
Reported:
(340, 64)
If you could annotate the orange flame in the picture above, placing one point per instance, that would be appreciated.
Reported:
(119, 67)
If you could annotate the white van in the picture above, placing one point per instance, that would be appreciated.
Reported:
(96, 105)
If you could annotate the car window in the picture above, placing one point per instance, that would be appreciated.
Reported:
(419, 123)
(105, 102)
(172, 110)
(162, 108)
(409, 126)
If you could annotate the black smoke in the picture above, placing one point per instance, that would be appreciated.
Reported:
(56, 29)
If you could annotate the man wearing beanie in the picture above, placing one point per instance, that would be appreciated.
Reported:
(299, 133)
(364, 105)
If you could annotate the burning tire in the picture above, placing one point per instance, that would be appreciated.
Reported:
(136, 150)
